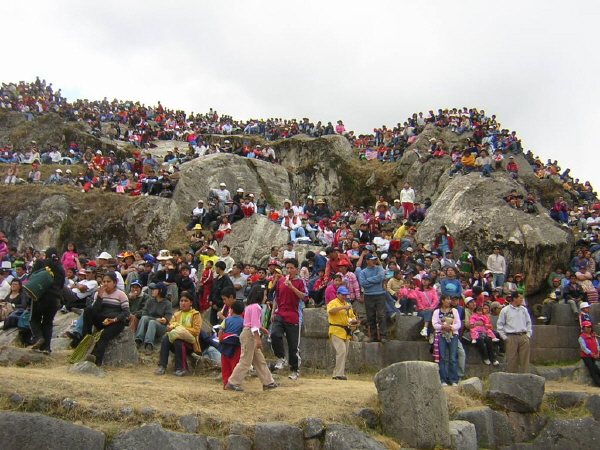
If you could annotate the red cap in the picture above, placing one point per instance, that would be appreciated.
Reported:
(587, 323)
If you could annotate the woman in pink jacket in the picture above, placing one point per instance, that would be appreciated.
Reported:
(427, 301)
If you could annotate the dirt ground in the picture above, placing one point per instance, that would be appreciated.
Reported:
(310, 396)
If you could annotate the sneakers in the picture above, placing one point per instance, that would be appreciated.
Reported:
(64, 309)
(90, 358)
(138, 342)
(410, 314)
(424, 332)
(495, 340)
(161, 370)
(272, 385)
(280, 364)
(340, 378)
(181, 373)
(234, 387)
(544, 318)
(496, 363)
(487, 362)
(431, 339)
(444, 384)
(148, 349)
(473, 341)
(294, 376)
(454, 384)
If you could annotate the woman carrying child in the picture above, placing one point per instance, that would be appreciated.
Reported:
(446, 322)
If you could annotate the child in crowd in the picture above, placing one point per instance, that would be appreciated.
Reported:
(408, 299)
(206, 281)
(585, 313)
(480, 323)
(332, 288)
(251, 349)
(229, 340)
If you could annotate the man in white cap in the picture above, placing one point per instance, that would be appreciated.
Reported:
(198, 215)
(397, 211)
(55, 177)
(222, 195)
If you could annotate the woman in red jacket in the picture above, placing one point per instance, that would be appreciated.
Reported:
(588, 342)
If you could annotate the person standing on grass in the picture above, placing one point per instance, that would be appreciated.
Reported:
(407, 198)
(341, 318)
(229, 339)
(514, 327)
(289, 292)
(252, 354)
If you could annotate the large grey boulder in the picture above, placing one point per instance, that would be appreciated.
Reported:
(417, 416)
(344, 437)
(463, 435)
(313, 427)
(471, 386)
(53, 219)
(34, 431)
(592, 404)
(20, 356)
(238, 442)
(278, 436)
(200, 175)
(516, 392)
(87, 368)
(251, 238)
(315, 323)
(569, 434)
(483, 420)
(122, 351)
(566, 399)
(154, 437)
(406, 328)
(478, 217)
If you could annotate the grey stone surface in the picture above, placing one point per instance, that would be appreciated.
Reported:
(373, 355)
(237, 442)
(569, 434)
(563, 316)
(16, 398)
(566, 399)
(370, 417)
(27, 431)
(400, 387)
(315, 323)
(214, 444)
(278, 436)
(344, 437)
(406, 328)
(189, 423)
(237, 428)
(122, 350)
(87, 368)
(154, 437)
(313, 427)
(525, 426)
(482, 419)
(480, 218)
(20, 356)
(471, 386)
(516, 392)
(503, 433)
(463, 435)
(555, 336)
(400, 351)
(547, 373)
(592, 404)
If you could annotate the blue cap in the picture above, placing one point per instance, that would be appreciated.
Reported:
(136, 283)
(343, 290)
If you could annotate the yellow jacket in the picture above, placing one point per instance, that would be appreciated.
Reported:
(339, 318)
(468, 160)
(400, 232)
(194, 327)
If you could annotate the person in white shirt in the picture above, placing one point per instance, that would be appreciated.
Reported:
(514, 327)
(293, 224)
(407, 198)
(497, 264)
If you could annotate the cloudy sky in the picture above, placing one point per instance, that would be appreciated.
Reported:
(532, 63)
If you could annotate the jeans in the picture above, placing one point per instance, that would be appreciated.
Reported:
(297, 233)
(498, 280)
(149, 330)
(407, 305)
(448, 354)
(390, 305)
(486, 348)
(486, 170)
(375, 306)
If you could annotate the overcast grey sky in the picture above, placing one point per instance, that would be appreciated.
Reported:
(532, 63)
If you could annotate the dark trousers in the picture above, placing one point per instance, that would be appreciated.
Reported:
(486, 348)
(279, 328)
(376, 311)
(593, 369)
(42, 317)
(91, 319)
(181, 350)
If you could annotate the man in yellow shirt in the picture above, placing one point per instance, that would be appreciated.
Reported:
(341, 319)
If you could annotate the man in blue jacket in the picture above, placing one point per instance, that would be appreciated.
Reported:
(371, 280)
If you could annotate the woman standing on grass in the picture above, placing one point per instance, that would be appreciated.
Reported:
(341, 318)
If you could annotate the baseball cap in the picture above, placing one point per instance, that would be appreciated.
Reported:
(343, 290)
(371, 257)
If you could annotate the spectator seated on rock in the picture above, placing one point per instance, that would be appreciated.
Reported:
(109, 312)
(80, 294)
(585, 315)
(155, 316)
(137, 302)
(584, 279)
(573, 293)
(293, 224)
(181, 337)
(483, 163)
(482, 336)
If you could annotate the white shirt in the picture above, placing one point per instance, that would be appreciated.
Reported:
(407, 195)
(4, 289)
